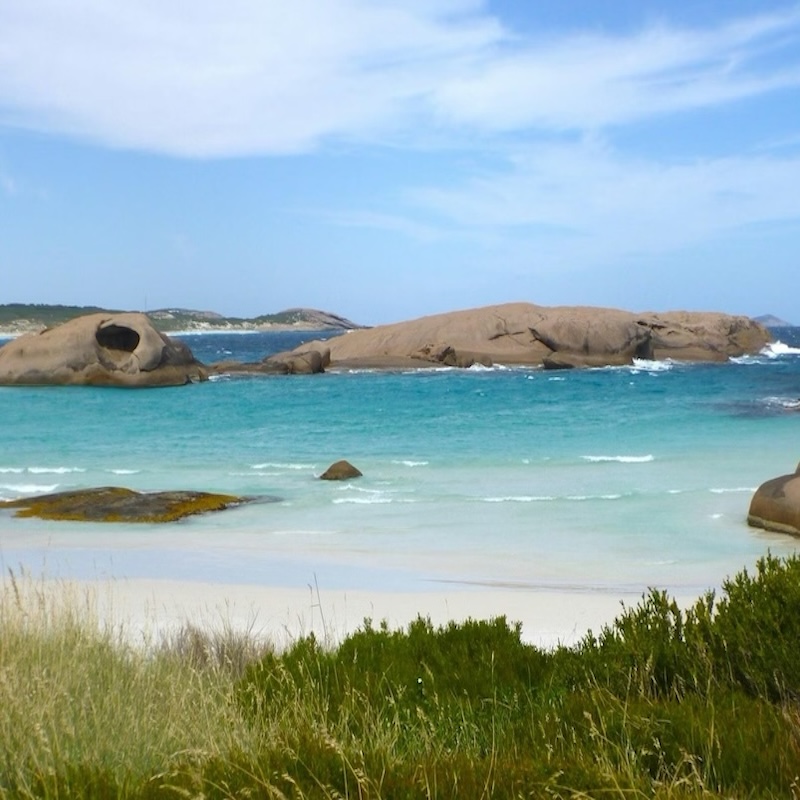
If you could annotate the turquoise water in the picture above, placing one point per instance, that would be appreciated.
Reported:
(603, 480)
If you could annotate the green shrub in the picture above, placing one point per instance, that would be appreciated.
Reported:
(755, 630)
(423, 667)
(747, 640)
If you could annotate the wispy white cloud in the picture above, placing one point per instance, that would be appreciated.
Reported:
(585, 82)
(586, 204)
(245, 76)
(270, 77)
(389, 222)
(7, 184)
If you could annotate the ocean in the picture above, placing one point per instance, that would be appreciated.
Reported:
(605, 480)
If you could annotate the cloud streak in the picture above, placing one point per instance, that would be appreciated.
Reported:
(254, 77)
(587, 204)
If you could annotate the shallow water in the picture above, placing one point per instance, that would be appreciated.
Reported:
(600, 480)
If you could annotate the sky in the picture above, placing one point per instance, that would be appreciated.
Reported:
(386, 159)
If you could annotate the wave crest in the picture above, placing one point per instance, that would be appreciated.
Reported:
(620, 459)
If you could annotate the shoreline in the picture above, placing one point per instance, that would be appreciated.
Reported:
(145, 609)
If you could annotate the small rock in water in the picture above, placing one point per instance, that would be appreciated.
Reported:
(340, 471)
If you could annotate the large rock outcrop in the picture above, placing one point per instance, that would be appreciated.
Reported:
(99, 350)
(776, 505)
(558, 337)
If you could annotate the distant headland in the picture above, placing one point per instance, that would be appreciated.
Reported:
(771, 321)
(19, 318)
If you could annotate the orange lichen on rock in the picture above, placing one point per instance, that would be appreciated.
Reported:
(117, 504)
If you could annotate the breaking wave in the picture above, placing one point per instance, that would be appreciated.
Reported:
(777, 349)
(29, 488)
(620, 459)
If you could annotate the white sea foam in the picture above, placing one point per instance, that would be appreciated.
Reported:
(29, 488)
(125, 471)
(789, 403)
(254, 474)
(409, 463)
(14, 470)
(645, 365)
(524, 498)
(582, 497)
(226, 331)
(620, 459)
(54, 470)
(519, 499)
(555, 379)
(736, 489)
(776, 349)
(279, 465)
(363, 500)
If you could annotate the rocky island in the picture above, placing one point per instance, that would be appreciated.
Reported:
(127, 350)
(550, 337)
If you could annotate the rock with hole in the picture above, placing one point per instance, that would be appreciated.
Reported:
(99, 350)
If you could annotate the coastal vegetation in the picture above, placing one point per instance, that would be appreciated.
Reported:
(663, 702)
(24, 317)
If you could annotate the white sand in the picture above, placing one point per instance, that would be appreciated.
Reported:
(150, 607)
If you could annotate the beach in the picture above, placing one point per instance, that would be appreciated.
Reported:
(548, 498)
(146, 610)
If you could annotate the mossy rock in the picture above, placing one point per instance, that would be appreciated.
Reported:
(116, 504)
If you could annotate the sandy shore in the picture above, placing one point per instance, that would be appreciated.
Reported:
(146, 607)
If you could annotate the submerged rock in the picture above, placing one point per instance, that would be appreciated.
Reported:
(340, 471)
(116, 504)
(99, 350)
(776, 505)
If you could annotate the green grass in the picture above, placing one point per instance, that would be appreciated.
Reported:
(664, 703)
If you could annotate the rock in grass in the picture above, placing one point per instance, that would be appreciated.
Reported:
(776, 505)
(116, 504)
(340, 471)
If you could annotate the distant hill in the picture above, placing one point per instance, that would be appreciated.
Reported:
(771, 321)
(18, 318)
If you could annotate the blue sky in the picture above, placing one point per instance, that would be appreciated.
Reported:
(385, 160)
